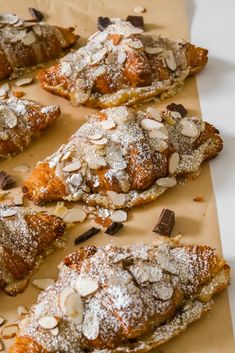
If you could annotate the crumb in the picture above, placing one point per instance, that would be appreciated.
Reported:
(199, 199)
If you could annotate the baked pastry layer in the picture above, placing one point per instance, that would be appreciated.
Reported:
(26, 238)
(122, 158)
(125, 299)
(22, 120)
(25, 44)
(123, 66)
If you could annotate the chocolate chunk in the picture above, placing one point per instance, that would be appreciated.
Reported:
(114, 228)
(85, 236)
(173, 107)
(165, 223)
(103, 22)
(36, 14)
(6, 181)
(137, 21)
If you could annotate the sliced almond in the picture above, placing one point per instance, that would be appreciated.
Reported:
(119, 216)
(66, 156)
(75, 179)
(9, 331)
(74, 307)
(117, 199)
(29, 38)
(63, 296)
(48, 322)
(150, 124)
(153, 50)
(166, 182)
(8, 18)
(2, 320)
(86, 286)
(4, 89)
(139, 9)
(55, 331)
(24, 322)
(8, 212)
(11, 119)
(21, 311)
(173, 162)
(155, 114)
(90, 325)
(121, 58)
(80, 96)
(24, 81)
(189, 129)
(37, 29)
(100, 142)
(96, 136)
(18, 199)
(170, 61)
(43, 283)
(158, 134)
(74, 215)
(108, 124)
(21, 168)
(72, 167)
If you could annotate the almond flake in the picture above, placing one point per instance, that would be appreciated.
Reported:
(8, 212)
(24, 81)
(48, 322)
(173, 162)
(117, 199)
(24, 323)
(18, 199)
(154, 113)
(75, 179)
(21, 168)
(8, 18)
(2, 320)
(10, 119)
(9, 331)
(86, 286)
(166, 182)
(55, 331)
(42, 283)
(90, 325)
(72, 167)
(37, 29)
(170, 61)
(153, 50)
(121, 57)
(189, 129)
(100, 142)
(4, 89)
(150, 124)
(119, 216)
(21, 311)
(74, 307)
(108, 124)
(74, 215)
(139, 9)
(96, 136)
(80, 96)
(66, 156)
(63, 296)
(158, 135)
(29, 38)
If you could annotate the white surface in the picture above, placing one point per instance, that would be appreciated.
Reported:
(213, 26)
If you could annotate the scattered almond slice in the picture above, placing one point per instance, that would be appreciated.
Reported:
(166, 182)
(86, 286)
(8, 212)
(119, 216)
(150, 124)
(4, 89)
(74, 307)
(63, 296)
(158, 135)
(48, 322)
(74, 215)
(121, 57)
(72, 167)
(21, 311)
(2, 320)
(170, 61)
(43, 283)
(189, 129)
(90, 325)
(96, 136)
(117, 199)
(55, 331)
(155, 114)
(60, 209)
(9, 331)
(139, 9)
(21, 168)
(18, 199)
(108, 124)
(24, 323)
(153, 50)
(173, 162)
(66, 156)
(29, 38)
(100, 142)
(24, 81)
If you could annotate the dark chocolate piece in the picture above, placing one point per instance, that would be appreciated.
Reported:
(173, 107)
(137, 21)
(36, 14)
(85, 236)
(103, 22)
(165, 223)
(114, 228)
(6, 181)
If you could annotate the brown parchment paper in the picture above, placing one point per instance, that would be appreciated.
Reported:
(196, 221)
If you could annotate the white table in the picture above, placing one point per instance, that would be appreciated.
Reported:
(212, 24)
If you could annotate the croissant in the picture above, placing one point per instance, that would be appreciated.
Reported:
(122, 158)
(122, 66)
(123, 299)
(25, 44)
(21, 121)
(26, 238)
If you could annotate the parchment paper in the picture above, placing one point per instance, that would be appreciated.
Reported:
(196, 221)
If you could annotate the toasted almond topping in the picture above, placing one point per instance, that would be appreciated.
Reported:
(100, 142)
(74, 307)
(11, 119)
(2, 320)
(4, 89)
(74, 215)
(158, 134)
(24, 323)
(21, 168)
(48, 322)
(86, 286)
(155, 114)
(153, 50)
(66, 156)
(117, 199)
(9, 331)
(170, 61)
(96, 136)
(29, 38)
(8, 212)
(80, 96)
(150, 124)
(37, 29)
(90, 325)
(8, 18)
(18, 199)
(189, 129)
(139, 9)
(72, 167)
(21, 311)
(24, 81)
(55, 331)
(43, 283)
(119, 216)
(166, 182)
(108, 124)
(121, 57)
(173, 162)
(63, 296)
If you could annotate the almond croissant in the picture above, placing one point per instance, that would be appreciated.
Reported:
(25, 44)
(123, 299)
(122, 158)
(122, 66)
(26, 237)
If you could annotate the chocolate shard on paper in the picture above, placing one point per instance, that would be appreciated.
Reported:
(103, 22)
(173, 107)
(85, 236)
(114, 228)
(6, 181)
(165, 223)
(137, 21)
